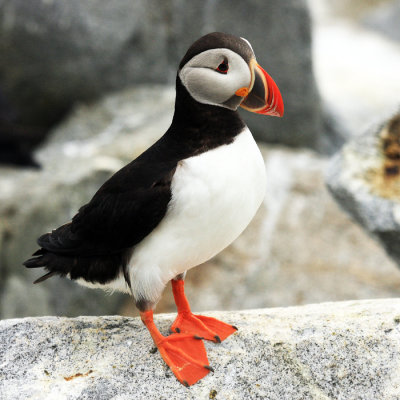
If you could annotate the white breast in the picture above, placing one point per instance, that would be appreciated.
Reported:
(214, 197)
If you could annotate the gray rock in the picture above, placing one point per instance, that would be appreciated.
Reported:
(62, 52)
(344, 351)
(385, 19)
(365, 179)
(54, 53)
(346, 55)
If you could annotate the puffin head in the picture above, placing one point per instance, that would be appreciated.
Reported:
(221, 70)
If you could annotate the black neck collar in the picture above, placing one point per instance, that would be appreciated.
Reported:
(203, 126)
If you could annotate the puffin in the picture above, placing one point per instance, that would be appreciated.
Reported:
(179, 203)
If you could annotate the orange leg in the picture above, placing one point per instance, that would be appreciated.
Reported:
(184, 354)
(186, 322)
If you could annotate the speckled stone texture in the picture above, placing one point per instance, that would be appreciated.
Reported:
(347, 350)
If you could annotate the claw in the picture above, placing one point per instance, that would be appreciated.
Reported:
(217, 339)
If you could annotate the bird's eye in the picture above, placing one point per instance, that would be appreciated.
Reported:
(223, 67)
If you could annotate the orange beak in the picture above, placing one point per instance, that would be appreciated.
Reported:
(263, 95)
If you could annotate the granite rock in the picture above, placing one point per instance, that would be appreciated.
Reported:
(365, 179)
(346, 351)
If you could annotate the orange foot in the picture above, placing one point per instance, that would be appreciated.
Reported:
(184, 354)
(199, 325)
(206, 327)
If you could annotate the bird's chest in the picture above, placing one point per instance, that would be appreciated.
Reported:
(214, 197)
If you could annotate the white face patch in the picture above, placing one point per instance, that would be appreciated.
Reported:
(206, 85)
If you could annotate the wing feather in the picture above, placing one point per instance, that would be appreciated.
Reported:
(122, 212)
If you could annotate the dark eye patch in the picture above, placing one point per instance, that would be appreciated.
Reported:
(223, 68)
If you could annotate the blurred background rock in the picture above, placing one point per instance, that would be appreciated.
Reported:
(87, 86)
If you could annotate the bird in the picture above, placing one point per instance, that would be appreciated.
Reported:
(179, 203)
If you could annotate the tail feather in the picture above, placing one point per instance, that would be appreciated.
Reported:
(95, 269)
(35, 262)
(45, 276)
(60, 241)
(42, 259)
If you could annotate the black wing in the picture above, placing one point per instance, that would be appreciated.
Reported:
(96, 243)
(122, 212)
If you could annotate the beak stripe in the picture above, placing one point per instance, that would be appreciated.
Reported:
(264, 96)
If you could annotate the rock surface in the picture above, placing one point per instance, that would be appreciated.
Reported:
(356, 68)
(301, 248)
(344, 351)
(385, 19)
(365, 179)
(54, 53)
